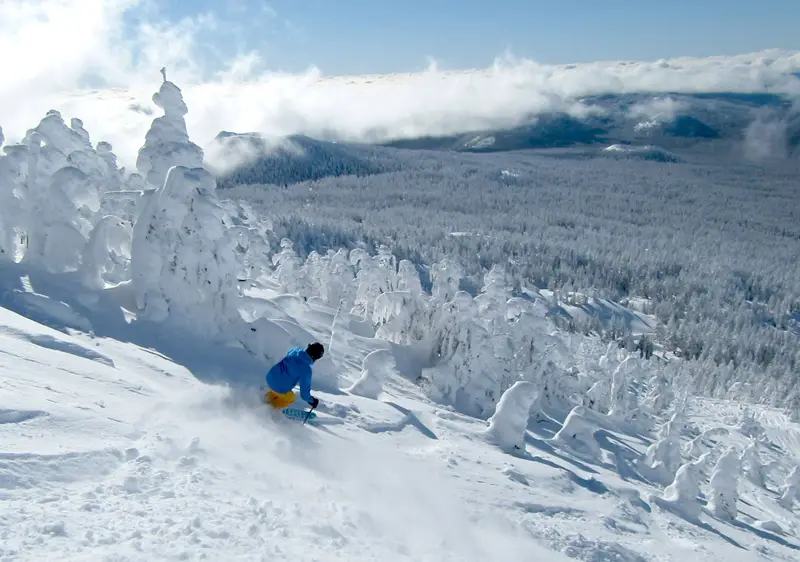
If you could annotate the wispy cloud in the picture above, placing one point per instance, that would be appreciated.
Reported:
(118, 46)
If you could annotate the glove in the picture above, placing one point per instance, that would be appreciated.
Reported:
(314, 402)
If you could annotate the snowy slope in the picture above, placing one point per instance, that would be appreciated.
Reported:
(113, 450)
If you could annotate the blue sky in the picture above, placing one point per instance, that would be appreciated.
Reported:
(366, 36)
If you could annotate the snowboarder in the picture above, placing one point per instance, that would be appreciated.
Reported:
(293, 369)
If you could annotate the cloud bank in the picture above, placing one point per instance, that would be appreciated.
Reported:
(99, 60)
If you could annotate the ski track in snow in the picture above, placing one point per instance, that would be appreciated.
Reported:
(110, 451)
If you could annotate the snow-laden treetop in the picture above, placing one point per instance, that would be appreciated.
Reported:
(167, 142)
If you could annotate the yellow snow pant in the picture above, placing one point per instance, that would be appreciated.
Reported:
(279, 401)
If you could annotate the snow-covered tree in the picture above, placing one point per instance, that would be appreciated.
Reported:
(446, 276)
(401, 317)
(790, 490)
(663, 458)
(167, 143)
(748, 424)
(508, 425)
(659, 394)
(624, 403)
(59, 197)
(596, 398)
(698, 446)
(751, 463)
(183, 252)
(105, 252)
(682, 494)
(408, 278)
(289, 270)
(377, 366)
(577, 433)
(376, 275)
(13, 168)
(557, 389)
(461, 374)
(724, 495)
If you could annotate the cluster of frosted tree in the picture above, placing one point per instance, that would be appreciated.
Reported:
(54, 212)
(67, 207)
(703, 468)
(722, 279)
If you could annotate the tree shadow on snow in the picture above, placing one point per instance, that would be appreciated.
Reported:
(547, 448)
(63, 303)
(695, 521)
(591, 484)
(764, 534)
(625, 457)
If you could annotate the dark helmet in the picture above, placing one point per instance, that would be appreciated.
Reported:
(316, 350)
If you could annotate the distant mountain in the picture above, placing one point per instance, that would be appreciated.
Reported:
(547, 131)
(661, 127)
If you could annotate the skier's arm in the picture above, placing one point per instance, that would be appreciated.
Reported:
(305, 385)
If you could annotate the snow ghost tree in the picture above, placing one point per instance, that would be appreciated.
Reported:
(751, 463)
(659, 395)
(12, 172)
(182, 255)
(183, 252)
(577, 433)
(377, 366)
(623, 402)
(461, 375)
(663, 458)
(697, 446)
(400, 317)
(408, 278)
(376, 275)
(446, 276)
(682, 494)
(508, 424)
(63, 185)
(724, 494)
(289, 269)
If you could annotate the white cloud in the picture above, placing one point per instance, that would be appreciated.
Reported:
(61, 45)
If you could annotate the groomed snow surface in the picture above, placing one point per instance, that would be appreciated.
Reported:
(139, 318)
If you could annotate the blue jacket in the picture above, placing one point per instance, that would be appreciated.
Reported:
(294, 368)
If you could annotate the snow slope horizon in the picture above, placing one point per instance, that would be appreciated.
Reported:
(369, 108)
